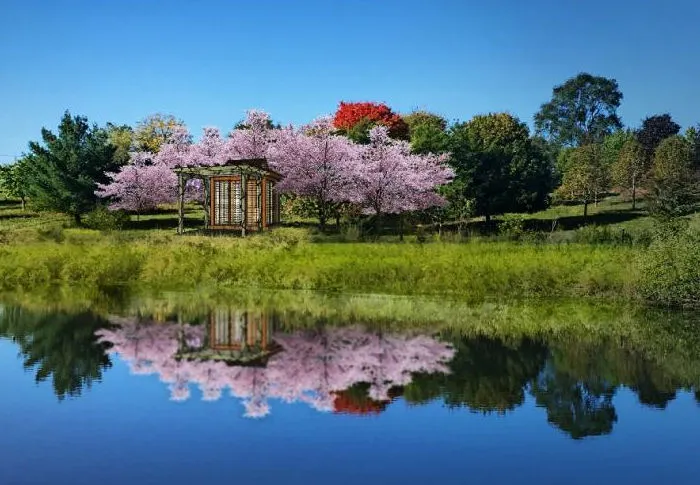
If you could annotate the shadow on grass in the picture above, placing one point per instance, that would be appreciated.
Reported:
(17, 216)
(574, 222)
(145, 224)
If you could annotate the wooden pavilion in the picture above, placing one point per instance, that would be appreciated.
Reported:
(239, 195)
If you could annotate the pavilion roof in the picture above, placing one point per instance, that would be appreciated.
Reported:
(247, 166)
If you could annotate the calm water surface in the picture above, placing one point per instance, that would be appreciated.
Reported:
(233, 396)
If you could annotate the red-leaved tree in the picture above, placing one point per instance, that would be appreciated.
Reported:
(356, 119)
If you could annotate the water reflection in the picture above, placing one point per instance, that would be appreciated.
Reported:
(259, 357)
(242, 352)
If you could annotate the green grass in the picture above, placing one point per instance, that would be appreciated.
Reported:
(39, 250)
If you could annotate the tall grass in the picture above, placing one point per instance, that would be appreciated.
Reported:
(284, 259)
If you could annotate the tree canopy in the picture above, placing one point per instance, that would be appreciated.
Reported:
(499, 167)
(64, 169)
(582, 110)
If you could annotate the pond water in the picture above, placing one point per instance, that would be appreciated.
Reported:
(229, 394)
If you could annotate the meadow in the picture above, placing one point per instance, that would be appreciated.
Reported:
(619, 255)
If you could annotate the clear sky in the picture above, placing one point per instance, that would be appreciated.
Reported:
(208, 61)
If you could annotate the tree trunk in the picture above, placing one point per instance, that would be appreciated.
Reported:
(585, 210)
(634, 194)
(401, 227)
(337, 222)
(78, 220)
(24, 203)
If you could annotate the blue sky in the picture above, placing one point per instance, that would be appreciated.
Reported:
(208, 61)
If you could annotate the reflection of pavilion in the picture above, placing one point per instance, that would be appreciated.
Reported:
(235, 337)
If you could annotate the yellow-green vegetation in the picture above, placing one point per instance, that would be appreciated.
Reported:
(41, 250)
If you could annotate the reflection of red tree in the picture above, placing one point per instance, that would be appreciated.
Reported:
(314, 367)
(356, 401)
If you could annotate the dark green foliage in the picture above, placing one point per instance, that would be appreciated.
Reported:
(58, 346)
(64, 169)
(486, 375)
(578, 408)
(582, 110)
(654, 130)
(499, 168)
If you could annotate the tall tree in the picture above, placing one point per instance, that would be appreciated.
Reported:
(587, 176)
(427, 132)
(155, 130)
(13, 180)
(654, 130)
(675, 187)
(630, 168)
(64, 170)
(498, 165)
(583, 110)
(356, 119)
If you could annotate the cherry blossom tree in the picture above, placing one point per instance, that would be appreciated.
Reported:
(389, 179)
(316, 163)
(140, 186)
(253, 138)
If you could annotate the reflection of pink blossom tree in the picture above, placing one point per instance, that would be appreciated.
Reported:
(312, 368)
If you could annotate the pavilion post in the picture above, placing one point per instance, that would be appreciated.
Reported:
(244, 202)
(206, 189)
(181, 203)
(258, 188)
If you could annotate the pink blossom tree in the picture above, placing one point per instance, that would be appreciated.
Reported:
(253, 138)
(389, 179)
(139, 186)
(316, 163)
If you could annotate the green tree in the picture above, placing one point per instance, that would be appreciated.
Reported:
(64, 169)
(13, 180)
(612, 146)
(630, 168)
(121, 137)
(586, 177)
(427, 132)
(154, 130)
(674, 179)
(583, 110)
(498, 166)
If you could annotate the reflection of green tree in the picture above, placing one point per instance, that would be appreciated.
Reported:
(59, 346)
(579, 408)
(486, 375)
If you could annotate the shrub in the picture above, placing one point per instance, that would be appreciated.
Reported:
(512, 227)
(602, 235)
(103, 219)
(670, 268)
